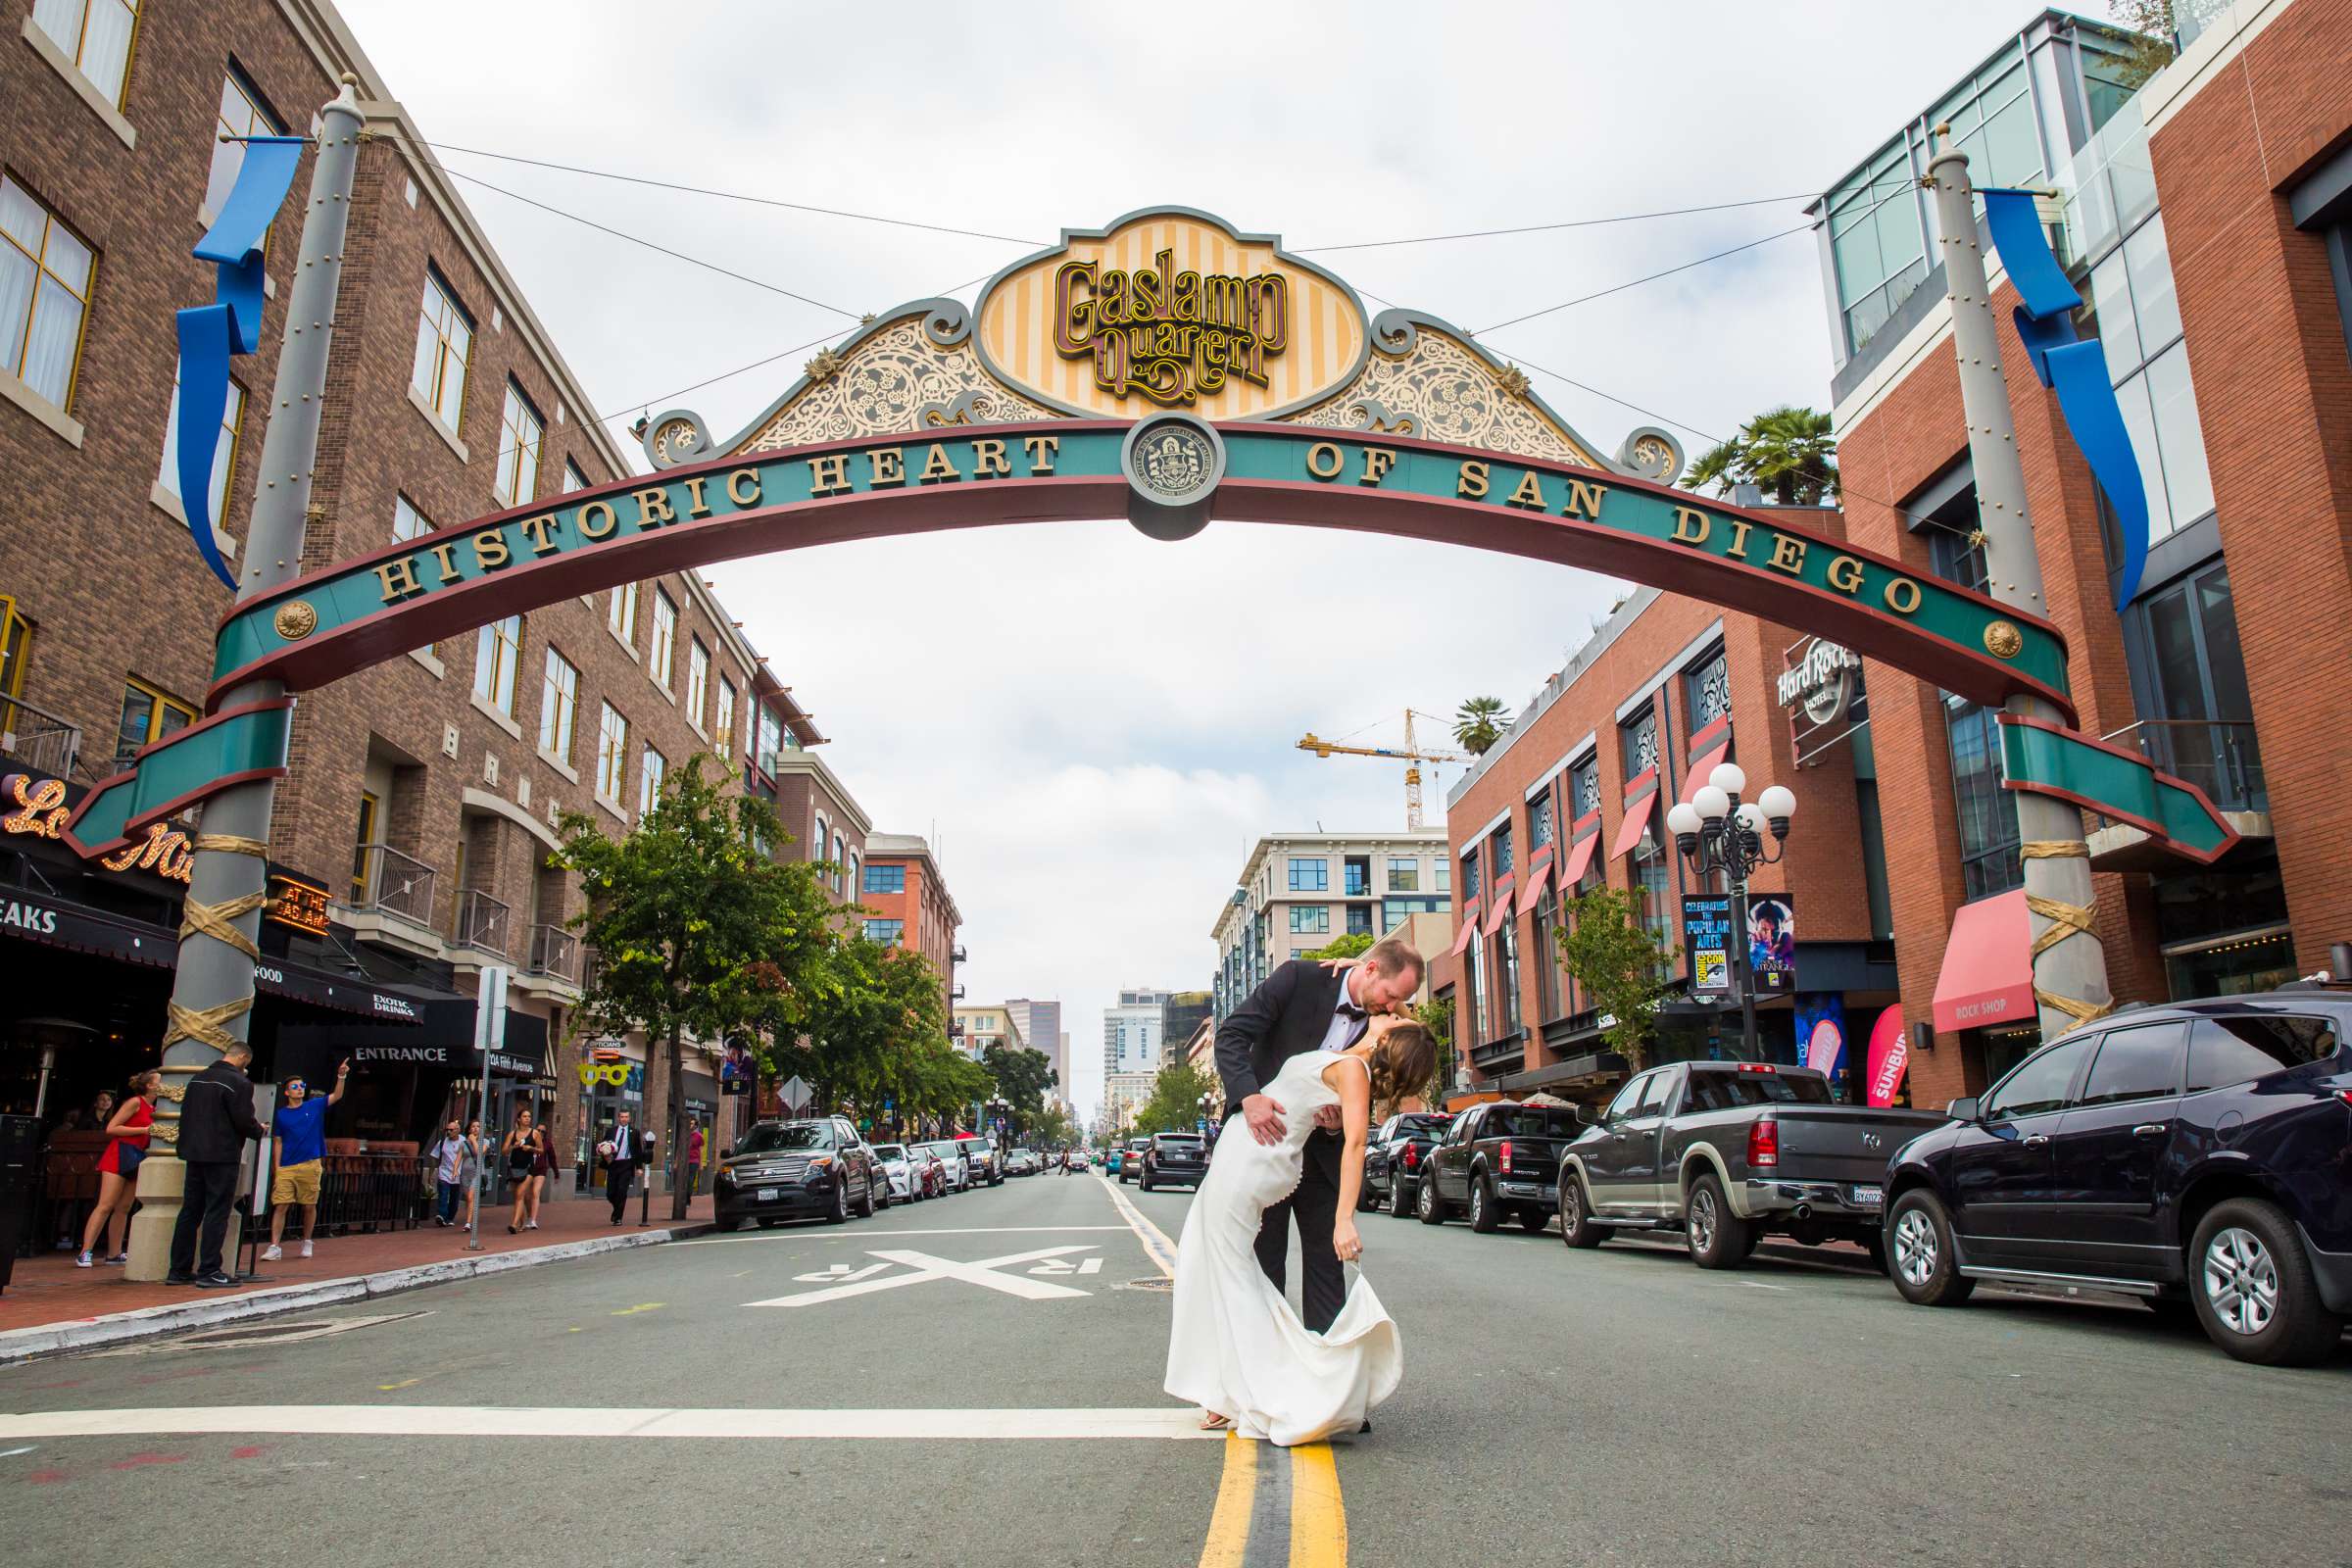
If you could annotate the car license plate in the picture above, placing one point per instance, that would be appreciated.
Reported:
(765, 1195)
(1868, 1197)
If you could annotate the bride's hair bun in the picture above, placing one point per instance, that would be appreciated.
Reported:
(1401, 1063)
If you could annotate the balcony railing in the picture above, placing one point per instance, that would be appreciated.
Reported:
(554, 953)
(390, 882)
(956, 954)
(45, 742)
(2220, 757)
(483, 921)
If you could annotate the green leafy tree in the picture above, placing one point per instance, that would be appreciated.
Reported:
(867, 1033)
(1618, 963)
(1050, 1128)
(1789, 453)
(1022, 1078)
(696, 930)
(1354, 945)
(1175, 1102)
(1437, 1016)
(1479, 723)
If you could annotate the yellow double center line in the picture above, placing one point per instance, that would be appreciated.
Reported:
(1276, 1506)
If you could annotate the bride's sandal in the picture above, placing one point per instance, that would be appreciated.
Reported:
(1210, 1421)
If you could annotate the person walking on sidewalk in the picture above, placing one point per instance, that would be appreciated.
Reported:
(694, 1160)
(119, 1168)
(518, 1155)
(622, 1152)
(544, 1174)
(454, 1161)
(478, 1150)
(299, 1140)
(215, 1122)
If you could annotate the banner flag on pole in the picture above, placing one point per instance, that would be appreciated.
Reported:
(210, 334)
(2075, 369)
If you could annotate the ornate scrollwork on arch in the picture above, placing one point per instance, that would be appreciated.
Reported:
(1651, 453)
(915, 374)
(1427, 379)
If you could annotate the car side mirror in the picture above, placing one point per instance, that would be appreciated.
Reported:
(1585, 1116)
(1963, 1109)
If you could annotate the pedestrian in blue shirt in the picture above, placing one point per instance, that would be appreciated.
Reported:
(299, 1136)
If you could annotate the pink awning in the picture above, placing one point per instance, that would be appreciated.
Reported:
(1579, 861)
(1637, 814)
(1501, 909)
(1707, 762)
(1538, 879)
(1987, 976)
(1469, 928)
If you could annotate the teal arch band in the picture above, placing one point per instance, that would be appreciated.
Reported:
(229, 746)
(407, 594)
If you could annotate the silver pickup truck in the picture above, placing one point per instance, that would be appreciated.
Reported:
(1728, 1151)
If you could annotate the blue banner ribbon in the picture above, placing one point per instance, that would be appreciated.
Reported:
(210, 334)
(2075, 369)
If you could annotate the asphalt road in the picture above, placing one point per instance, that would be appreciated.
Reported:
(1618, 1406)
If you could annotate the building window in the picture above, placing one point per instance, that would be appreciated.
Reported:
(1502, 852)
(1506, 976)
(1540, 828)
(1309, 876)
(44, 295)
(148, 715)
(364, 835)
(1989, 832)
(837, 859)
(558, 704)
(1482, 1026)
(2139, 324)
(1310, 920)
(886, 932)
(2206, 735)
(770, 738)
(1359, 920)
(665, 639)
(722, 723)
(1445, 876)
(1637, 739)
(1877, 241)
(407, 521)
(96, 35)
(1469, 875)
(444, 343)
(518, 440)
(1546, 959)
(621, 615)
(497, 651)
(224, 449)
(648, 782)
(573, 478)
(611, 753)
(1404, 874)
(1646, 867)
(1709, 691)
(698, 678)
(885, 879)
(1355, 877)
(1992, 116)
(1584, 789)
(1394, 912)
(241, 114)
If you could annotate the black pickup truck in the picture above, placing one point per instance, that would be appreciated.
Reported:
(1394, 1156)
(1501, 1157)
(1727, 1151)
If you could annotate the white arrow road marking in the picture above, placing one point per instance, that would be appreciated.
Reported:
(839, 1274)
(927, 1267)
(440, 1422)
(1092, 1266)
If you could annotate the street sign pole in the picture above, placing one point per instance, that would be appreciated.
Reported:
(489, 1035)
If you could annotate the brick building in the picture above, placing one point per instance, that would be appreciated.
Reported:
(906, 902)
(423, 791)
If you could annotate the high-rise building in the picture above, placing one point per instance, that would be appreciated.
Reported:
(1302, 891)
(1131, 1042)
(1040, 1023)
(1180, 1015)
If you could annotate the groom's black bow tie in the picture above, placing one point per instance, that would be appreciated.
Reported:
(1349, 1009)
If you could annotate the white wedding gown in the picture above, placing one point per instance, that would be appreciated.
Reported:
(1236, 1345)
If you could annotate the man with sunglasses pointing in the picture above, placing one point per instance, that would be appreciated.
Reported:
(299, 1134)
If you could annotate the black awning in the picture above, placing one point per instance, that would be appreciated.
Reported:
(57, 922)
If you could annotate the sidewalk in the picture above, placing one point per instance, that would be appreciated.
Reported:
(49, 1291)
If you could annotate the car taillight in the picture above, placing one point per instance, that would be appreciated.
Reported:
(1412, 1155)
(1763, 1142)
(1506, 1156)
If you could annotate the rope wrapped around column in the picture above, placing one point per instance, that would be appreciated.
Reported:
(207, 1026)
(2066, 921)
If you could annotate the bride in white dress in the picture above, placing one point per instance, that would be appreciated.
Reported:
(1236, 1347)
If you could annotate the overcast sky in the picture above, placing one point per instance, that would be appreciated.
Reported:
(1094, 727)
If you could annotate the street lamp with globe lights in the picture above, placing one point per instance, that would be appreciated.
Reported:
(1718, 832)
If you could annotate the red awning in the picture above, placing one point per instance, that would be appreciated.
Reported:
(1987, 977)
(1539, 878)
(1501, 910)
(1708, 761)
(1579, 861)
(1629, 831)
(1469, 929)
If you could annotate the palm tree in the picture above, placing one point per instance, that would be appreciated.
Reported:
(1789, 453)
(1479, 723)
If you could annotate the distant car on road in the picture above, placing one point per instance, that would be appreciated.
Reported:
(1394, 1156)
(1131, 1159)
(782, 1170)
(2197, 1156)
(1729, 1151)
(1022, 1163)
(1174, 1160)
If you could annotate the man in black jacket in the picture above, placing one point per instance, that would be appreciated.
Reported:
(1304, 1006)
(216, 1120)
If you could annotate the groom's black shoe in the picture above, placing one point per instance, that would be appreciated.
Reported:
(1366, 1427)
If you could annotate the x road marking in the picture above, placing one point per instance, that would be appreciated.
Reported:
(924, 1266)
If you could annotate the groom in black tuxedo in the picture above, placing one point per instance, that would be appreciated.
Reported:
(1304, 1006)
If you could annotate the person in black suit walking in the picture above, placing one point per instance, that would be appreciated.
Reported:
(625, 1151)
(1305, 1006)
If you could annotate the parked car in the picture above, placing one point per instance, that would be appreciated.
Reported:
(1729, 1151)
(1131, 1159)
(1499, 1159)
(907, 1173)
(1112, 1159)
(783, 1170)
(1022, 1162)
(955, 1172)
(1394, 1156)
(988, 1169)
(2197, 1156)
(1174, 1160)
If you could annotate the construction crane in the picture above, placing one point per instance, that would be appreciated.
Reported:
(1410, 754)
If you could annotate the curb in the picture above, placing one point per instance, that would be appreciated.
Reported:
(17, 1345)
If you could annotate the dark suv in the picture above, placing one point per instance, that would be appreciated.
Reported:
(782, 1170)
(1172, 1159)
(2198, 1155)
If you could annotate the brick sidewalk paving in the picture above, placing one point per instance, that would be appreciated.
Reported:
(49, 1289)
